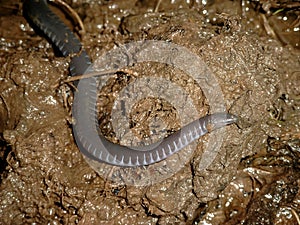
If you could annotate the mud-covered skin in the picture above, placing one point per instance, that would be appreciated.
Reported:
(86, 135)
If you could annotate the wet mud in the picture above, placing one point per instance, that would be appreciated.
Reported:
(251, 47)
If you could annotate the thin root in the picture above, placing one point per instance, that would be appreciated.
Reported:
(157, 6)
(296, 215)
(88, 75)
(267, 27)
(98, 74)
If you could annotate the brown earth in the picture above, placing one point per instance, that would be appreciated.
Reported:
(253, 50)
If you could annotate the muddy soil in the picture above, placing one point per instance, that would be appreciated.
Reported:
(251, 47)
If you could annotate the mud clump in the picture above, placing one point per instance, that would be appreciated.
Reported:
(253, 180)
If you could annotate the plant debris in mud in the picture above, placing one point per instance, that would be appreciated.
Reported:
(252, 47)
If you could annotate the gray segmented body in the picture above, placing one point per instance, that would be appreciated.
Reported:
(86, 128)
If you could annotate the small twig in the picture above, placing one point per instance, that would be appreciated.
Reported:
(267, 27)
(97, 74)
(157, 6)
(296, 215)
(83, 76)
(278, 11)
(88, 75)
(296, 22)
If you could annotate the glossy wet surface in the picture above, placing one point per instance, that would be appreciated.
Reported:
(252, 49)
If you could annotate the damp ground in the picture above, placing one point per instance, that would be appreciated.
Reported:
(251, 47)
